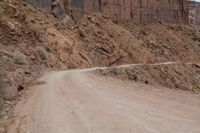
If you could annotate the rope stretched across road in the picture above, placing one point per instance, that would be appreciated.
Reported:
(130, 65)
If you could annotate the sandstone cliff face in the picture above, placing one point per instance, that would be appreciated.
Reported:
(194, 12)
(43, 4)
(139, 11)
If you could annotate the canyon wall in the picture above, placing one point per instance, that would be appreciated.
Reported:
(42, 4)
(194, 12)
(138, 11)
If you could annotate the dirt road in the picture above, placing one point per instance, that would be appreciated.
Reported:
(82, 102)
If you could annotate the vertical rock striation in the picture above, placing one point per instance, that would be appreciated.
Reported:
(194, 12)
(138, 11)
(42, 4)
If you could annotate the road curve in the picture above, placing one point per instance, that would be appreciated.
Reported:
(82, 102)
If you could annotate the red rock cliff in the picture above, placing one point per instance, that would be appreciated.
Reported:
(139, 11)
(194, 12)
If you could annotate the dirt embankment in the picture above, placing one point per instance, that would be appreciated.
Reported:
(112, 44)
(174, 76)
(107, 43)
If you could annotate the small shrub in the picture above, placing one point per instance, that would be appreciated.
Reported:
(20, 58)
(41, 53)
(39, 35)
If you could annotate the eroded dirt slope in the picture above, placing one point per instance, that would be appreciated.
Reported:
(106, 42)
(174, 76)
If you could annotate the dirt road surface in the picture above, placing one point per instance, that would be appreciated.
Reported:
(82, 102)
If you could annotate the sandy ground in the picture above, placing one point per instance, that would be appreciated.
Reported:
(82, 102)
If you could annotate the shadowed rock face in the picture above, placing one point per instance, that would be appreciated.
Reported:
(43, 4)
(194, 12)
(139, 11)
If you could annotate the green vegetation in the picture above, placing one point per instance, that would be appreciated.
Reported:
(41, 53)
(20, 58)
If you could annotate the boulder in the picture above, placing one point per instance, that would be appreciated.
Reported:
(57, 9)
